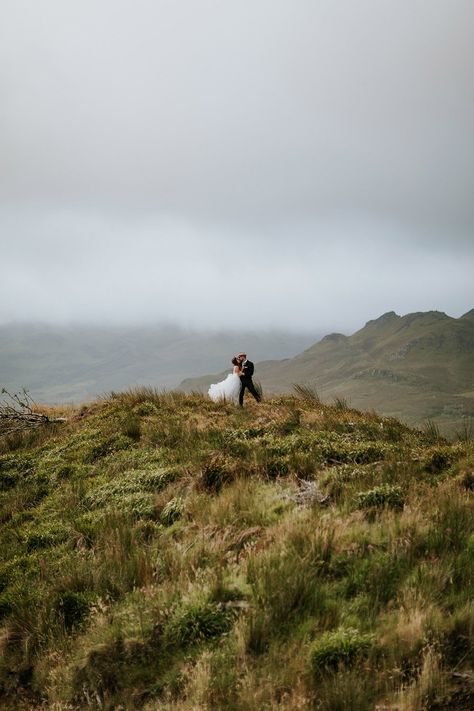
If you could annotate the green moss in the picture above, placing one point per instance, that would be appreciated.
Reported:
(131, 427)
(73, 606)
(215, 473)
(145, 409)
(341, 648)
(87, 525)
(107, 446)
(196, 622)
(45, 534)
(118, 491)
(376, 575)
(380, 496)
(9, 478)
(171, 512)
(438, 460)
(20, 463)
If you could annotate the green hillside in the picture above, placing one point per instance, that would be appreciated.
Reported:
(416, 367)
(166, 552)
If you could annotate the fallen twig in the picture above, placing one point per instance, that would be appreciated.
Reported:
(308, 494)
(17, 413)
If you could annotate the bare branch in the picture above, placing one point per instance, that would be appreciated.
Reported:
(17, 413)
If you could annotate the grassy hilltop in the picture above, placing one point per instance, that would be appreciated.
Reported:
(166, 552)
(75, 363)
(414, 367)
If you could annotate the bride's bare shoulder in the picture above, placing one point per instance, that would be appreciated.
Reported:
(237, 369)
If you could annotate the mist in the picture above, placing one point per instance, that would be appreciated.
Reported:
(296, 166)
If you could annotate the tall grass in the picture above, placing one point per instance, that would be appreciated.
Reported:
(466, 432)
(432, 432)
(341, 403)
(156, 553)
(307, 392)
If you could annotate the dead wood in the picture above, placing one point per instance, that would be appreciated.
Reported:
(18, 413)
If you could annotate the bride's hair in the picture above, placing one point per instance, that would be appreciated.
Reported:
(235, 361)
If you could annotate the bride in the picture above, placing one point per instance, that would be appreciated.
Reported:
(229, 388)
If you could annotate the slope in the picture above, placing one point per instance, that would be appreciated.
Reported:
(415, 367)
(165, 552)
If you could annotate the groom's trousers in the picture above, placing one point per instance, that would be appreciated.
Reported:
(247, 383)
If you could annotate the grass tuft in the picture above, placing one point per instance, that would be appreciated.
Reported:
(171, 512)
(385, 495)
(197, 622)
(466, 431)
(432, 432)
(307, 392)
(341, 648)
(159, 551)
(341, 404)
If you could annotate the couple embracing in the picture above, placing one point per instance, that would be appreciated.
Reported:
(234, 386)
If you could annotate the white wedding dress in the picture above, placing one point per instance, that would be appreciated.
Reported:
(227, 389)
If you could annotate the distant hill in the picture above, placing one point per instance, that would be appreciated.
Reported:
(413, 367)
(63, 364)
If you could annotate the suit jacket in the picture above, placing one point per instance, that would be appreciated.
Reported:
(247, 369)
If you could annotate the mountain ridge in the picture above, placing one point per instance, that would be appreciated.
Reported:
(415, 367)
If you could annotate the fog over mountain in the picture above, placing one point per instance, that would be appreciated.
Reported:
(76, 363)
(262, 164)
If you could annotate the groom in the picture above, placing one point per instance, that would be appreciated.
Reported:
(246, 378)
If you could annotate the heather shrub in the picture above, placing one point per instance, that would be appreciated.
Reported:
(380, 496)
(73, 606)
(215, 473)
(438, 460)
(132, 427)
(195, 622)
(171, 512)
(118, 491)
(341, 648)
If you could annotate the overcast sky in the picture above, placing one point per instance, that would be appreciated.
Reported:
(304, 164)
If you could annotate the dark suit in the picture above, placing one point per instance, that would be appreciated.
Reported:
(246, 382)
